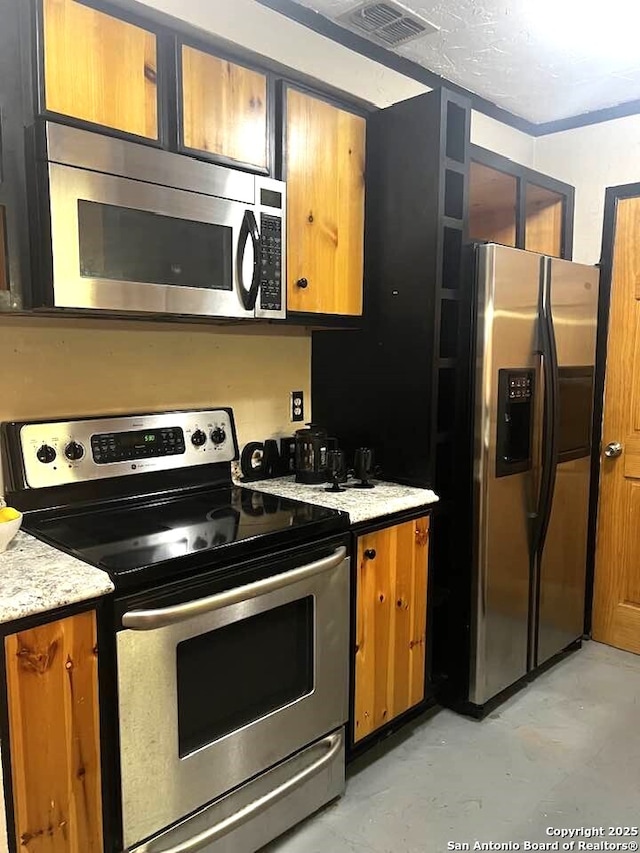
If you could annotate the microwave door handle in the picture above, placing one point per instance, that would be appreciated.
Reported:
(249, 228)
(149, 620)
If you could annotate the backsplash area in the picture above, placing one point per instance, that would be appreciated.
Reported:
(58, 367)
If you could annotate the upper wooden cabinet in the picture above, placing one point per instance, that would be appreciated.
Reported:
(224, 108)
(391, 624)
(324, 162)
(52, 689)
(515, 206)
(99, 69)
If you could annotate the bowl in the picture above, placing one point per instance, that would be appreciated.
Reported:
(10, 527)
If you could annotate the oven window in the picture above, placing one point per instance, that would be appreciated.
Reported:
(236, 674)
(122, 244)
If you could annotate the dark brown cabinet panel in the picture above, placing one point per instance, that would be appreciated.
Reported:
(224, 108)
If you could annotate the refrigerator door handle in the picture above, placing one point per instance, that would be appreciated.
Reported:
(550, 416)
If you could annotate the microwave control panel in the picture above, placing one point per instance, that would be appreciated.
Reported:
(270, 262)
(61, 452)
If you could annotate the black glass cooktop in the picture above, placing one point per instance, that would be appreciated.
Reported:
(163, 537)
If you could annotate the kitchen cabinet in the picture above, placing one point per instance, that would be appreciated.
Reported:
(515, 206)
(99, 68)
(411, 362)
(52, 688)
(324, 161)
(224, 109)
(391, 623)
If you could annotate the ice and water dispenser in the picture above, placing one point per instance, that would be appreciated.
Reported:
(516, 396)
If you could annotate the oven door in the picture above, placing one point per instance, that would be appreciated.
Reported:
(129, 246)
(217, 690)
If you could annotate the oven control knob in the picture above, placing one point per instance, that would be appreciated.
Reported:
(218, 435)
(198, 438)
(46, 454)
(74, 451)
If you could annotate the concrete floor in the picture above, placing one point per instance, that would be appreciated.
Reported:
(564, 752)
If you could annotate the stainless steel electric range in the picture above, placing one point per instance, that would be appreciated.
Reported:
(231, 624)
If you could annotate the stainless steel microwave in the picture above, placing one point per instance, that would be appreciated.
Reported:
(130, 229)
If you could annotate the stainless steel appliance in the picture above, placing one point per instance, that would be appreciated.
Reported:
(231, 621)
(128, 228)
(534, 385)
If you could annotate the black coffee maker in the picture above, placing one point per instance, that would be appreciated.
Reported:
(312, 448)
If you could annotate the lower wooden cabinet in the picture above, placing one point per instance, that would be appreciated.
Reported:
(391, 623)
(52, 686)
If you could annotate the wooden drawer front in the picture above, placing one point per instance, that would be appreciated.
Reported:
(224, 108)
(390, 623)
(325, 159)
(52, 683)
(100, 69)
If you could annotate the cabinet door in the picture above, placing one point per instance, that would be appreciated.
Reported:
(52, 686)
(325, 159)
(224, 108)
(391, 623)
(99, 69)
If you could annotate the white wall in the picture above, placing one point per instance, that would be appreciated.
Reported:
(503, 139)
(591, 159)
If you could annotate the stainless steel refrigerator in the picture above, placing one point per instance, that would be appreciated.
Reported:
(534, 383)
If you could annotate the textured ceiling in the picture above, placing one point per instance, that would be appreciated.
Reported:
(540, 59)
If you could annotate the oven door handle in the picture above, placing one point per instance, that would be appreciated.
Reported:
(249, 228)
(332, 744)
(149, 620)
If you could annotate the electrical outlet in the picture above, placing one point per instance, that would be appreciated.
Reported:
(297, 406)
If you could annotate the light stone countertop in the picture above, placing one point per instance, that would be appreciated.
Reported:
(35, 578)
(361, 504)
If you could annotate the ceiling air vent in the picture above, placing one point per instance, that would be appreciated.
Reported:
(388, 24)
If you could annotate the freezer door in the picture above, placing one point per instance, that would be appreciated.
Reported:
(506, 464)
(562, 569)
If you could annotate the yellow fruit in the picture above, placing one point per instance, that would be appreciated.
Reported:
(8, 514)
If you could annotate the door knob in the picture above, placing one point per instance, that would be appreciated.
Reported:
(613, 449)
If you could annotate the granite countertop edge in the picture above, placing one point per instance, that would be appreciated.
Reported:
(36, 578)
(386, 499)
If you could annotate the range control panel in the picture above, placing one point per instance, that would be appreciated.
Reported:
(61, 452)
